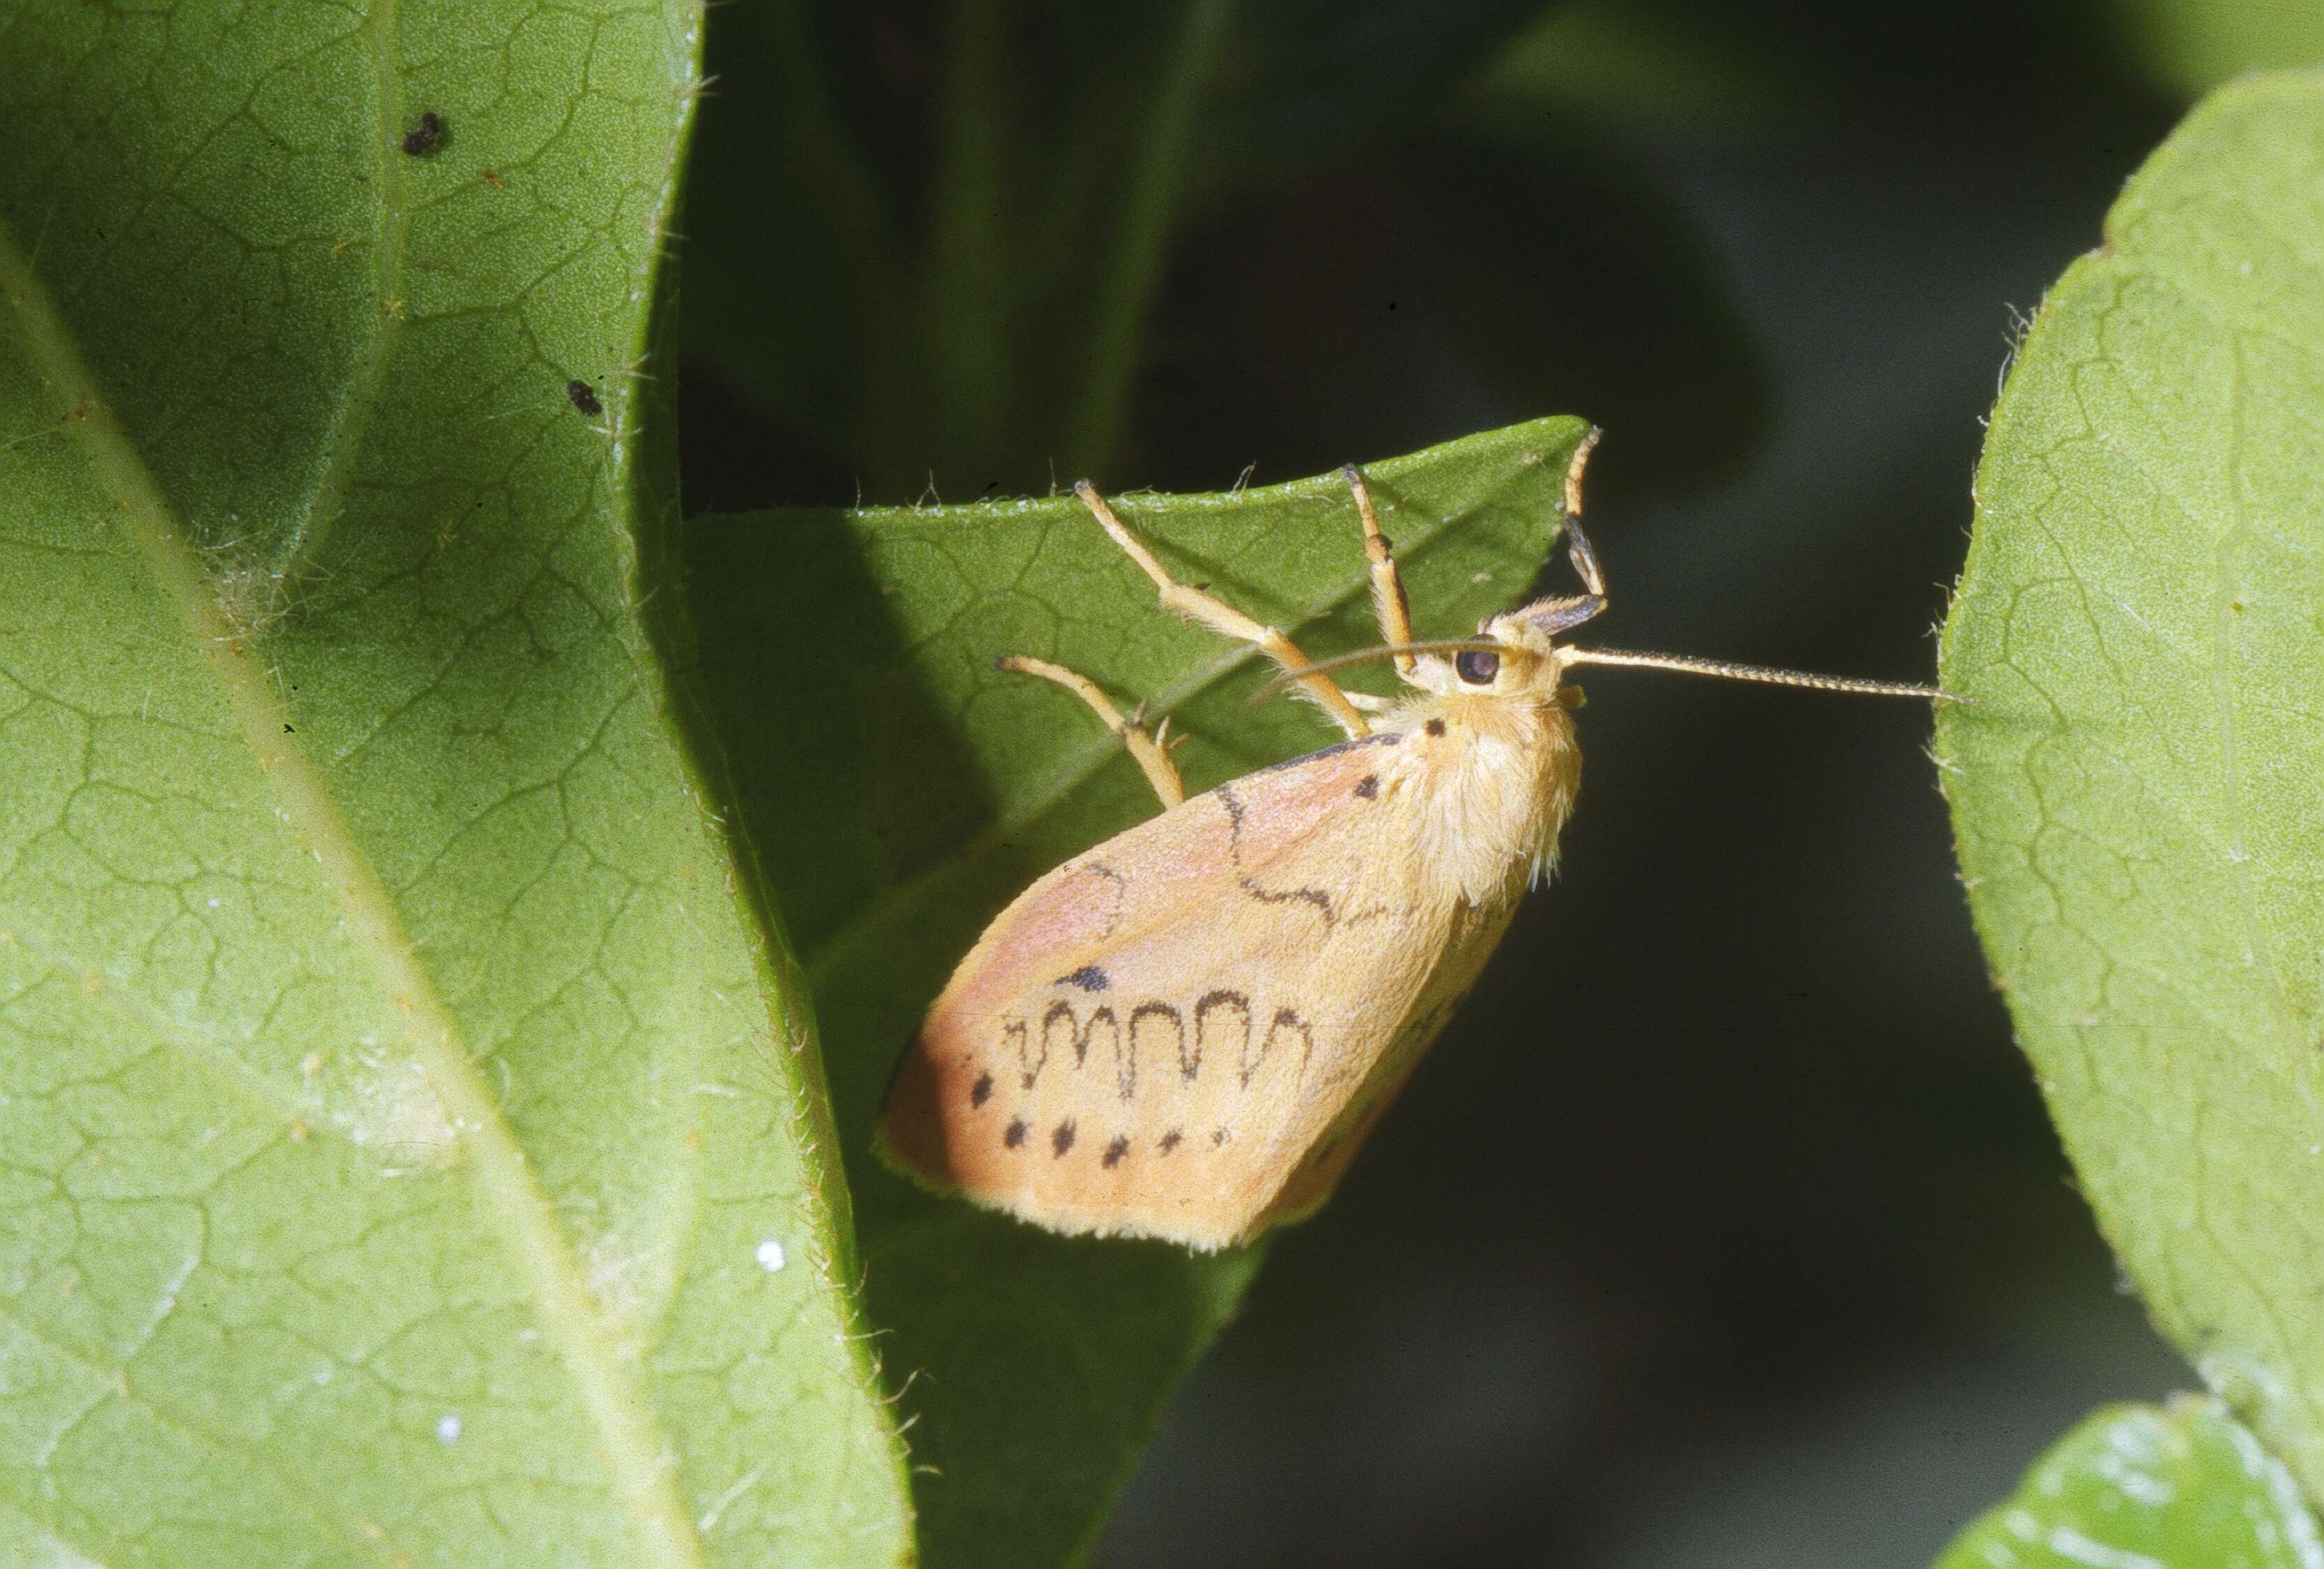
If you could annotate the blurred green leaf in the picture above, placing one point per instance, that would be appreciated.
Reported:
(2190, 46)
(901, 791)
(793, 273)
(2135, 787)
(924, 242)
(411, 1153)
(1260, 360)
(1308, 81)
(1621, 63)
(2144, 1487)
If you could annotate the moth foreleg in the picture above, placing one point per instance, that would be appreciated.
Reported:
(1150, 754)
(1224, 619)
(1390, 606)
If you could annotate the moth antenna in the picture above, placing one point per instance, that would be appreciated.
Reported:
(1690, 665)
(1365, 656)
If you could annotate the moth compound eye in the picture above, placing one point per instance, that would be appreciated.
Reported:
(1477, 666)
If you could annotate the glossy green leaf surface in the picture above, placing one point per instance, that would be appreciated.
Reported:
(2134, 786)
(2146, 1487)
(899, 791)
(408, 1154)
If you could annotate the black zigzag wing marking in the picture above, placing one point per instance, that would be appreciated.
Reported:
(1016, 1040)
(1157, 1031)
(1221, 1021)
(1285, 1027)
(1077, 1035)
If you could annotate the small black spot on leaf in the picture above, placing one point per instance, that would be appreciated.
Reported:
(423, 136)
(1089, 978)
(1115, 1151)
(1063, 1139)
(1016, 1133)
(982, 1090)
(584, 397)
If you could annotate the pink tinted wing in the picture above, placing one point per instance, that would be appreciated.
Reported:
(1187, 928)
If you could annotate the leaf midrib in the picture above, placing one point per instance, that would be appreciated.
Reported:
(633, 1447)
(367, 384)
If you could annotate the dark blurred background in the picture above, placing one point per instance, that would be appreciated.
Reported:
(1772, 1258)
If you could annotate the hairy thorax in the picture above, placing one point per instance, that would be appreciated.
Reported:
(1492, 782)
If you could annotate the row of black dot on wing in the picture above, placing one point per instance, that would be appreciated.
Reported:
(1063, 1136)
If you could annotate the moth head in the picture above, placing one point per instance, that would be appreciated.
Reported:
(1506, 659)
(1515, 655)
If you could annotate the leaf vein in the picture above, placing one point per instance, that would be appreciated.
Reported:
(632, 1447)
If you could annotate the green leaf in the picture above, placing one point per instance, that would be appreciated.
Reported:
(1621, 63)
(2189, 46)
(411, 1151)
(2145, 1487)
(901, 791)
(2140, 630)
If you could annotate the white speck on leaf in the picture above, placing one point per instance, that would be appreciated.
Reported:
(770, 1255)
(447, 1427)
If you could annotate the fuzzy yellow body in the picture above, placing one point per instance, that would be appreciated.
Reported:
(1186, 1032)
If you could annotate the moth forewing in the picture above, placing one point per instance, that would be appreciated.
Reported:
(1186, 1032)
(1476, 934)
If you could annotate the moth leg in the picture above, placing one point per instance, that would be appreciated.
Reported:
(1226, 620)
(1390, 606)
(1577, 544)
(1557, 615)
(1367, 703)
(1585, 560)
(1151, 755)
